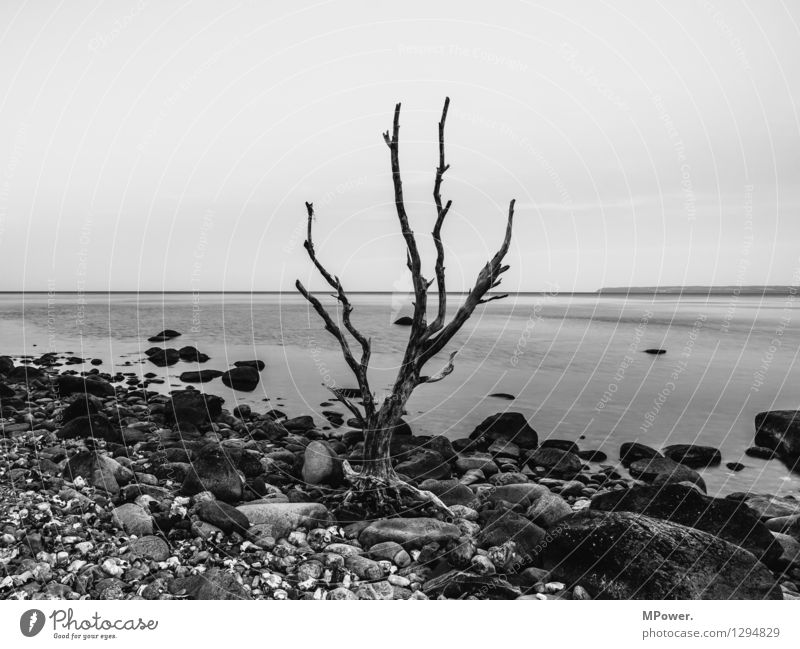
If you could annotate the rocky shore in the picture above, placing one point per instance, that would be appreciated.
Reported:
(111, 491)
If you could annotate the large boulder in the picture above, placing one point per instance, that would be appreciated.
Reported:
(213, 471)
(728, 519)
(167, 334)
(408, 532)
(525, 493)
(101, 471)
(192, 354)
(224, 516)
(321, 465)
(193, 407)
(241, 378)
(96, 425)
(556, 462)
(693, 455)
(133, 519)
(779, 430)
(450, 492)
(662, 470)
(548, 510)
(278, 520)
(621, 555)
(82, 406)
(424, 464)
(508, 427)
(505, 525)
(95, 385)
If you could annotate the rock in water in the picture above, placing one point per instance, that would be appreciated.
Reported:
(164, 357)
(241, 378)
(321, 465)
(663, 470)
(620, 555)
(655, 351)
(192, 354)
(629, 452)
(404, 321)
(728, 519)
(692, 455)
(167, 334)
(505, 426)
(200, 376)
(259, 365)
(212, 471)
(779, 430)
(409, 532)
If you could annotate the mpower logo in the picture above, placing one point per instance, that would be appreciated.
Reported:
(31, 622)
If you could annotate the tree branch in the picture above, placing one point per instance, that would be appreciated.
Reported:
(347, 309)
(488, 278)
(414, 262)
(444, 372)
(441, 212)
(337, 393)
(336, 332)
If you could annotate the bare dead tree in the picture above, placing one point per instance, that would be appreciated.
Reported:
(377, 487)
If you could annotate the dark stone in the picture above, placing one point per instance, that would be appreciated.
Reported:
(6, 364)
(213, 471)
(655, 352)
(760, 452)
(224, 516)
(404, 321)
(692, 455)
(96, 425)
(620, 555)
(6, 392)
(164, 357)
(200, 376)
(664, 470)
(457, 584)
(503, 395)
(80, 407)
(728, 519)
(215, 583)
(71, 384)
(300, 423)
(562, 444)
(593, 456)
(558, 463)
(241, 378)
(508, 526)
(450, 492)
(779, 430)
(505, 426)
(259, 365)
(193, 407)
(629, 452)
(424, 464)
(167, 334)
(735, 466)
(192, 354)
(24, 374)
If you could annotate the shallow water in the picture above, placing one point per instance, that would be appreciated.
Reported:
(575, 364)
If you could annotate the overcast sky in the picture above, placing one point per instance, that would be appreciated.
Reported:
(171, 145)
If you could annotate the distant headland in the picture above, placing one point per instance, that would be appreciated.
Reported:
(700, 290)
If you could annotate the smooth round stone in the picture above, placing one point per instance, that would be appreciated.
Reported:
(150, 547)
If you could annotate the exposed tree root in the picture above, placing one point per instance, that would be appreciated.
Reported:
(379, 495)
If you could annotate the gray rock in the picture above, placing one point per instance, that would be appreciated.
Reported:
(548, 510)
(150, 547)
(279, 519)
(321, 465)
(409, 532)
(133, 519)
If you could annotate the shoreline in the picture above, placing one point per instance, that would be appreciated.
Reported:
(114, 491)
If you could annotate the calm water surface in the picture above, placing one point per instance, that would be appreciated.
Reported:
(575, 364)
